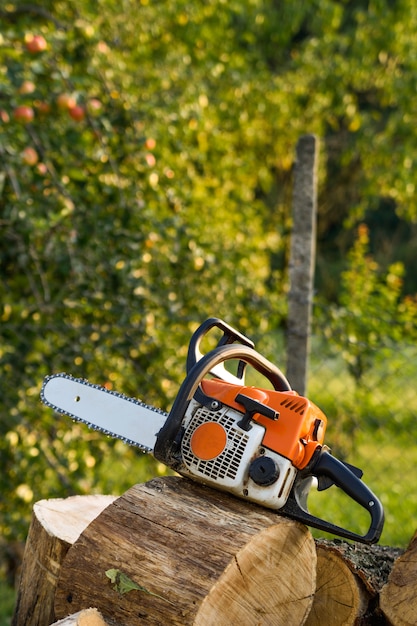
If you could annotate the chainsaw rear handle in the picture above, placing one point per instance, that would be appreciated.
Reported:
(165, 447)
(325, 465)
(230, 335)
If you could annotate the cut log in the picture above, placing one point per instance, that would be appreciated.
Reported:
(175, 552)
(55, 525)
(88, 617)
(398, 598)
(265, 583)
(349, 578)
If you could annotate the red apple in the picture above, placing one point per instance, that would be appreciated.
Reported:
(4, 116)
(42, 106)
(77, 112)
(42, 169)
(27, 87)
(35, 43)
(23, 114)
(30, 156)
(150, 143)
(94, 106)
(65, 101)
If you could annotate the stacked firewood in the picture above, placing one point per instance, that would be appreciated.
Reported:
(175, 553)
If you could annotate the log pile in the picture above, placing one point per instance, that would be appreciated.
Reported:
(56, 525)
(175, 552)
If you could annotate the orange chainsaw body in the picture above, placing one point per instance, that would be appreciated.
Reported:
(300, 426)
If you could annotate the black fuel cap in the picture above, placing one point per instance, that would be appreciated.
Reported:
(264, 471)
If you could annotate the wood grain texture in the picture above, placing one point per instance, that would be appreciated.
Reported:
(341, 598)
(398, 598)
(176, 539)
(55, 525)
(269, 582)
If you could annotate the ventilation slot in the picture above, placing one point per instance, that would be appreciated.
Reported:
(294, 404)
(227, 464)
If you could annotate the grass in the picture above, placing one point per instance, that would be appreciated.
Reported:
(7, 600)
(373, 426)
(389, 470)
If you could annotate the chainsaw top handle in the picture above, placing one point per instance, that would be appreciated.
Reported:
(230, 335)
(165, 446)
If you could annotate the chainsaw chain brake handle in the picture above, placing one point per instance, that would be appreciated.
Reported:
(330, 470)
(230, 335)
(165, 447)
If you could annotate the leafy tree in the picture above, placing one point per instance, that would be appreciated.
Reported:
(371, 312)
(369, 325)
(129, 214)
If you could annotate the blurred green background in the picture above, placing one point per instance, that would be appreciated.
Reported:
(146, 158)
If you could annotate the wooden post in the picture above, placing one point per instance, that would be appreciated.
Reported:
(302, 261)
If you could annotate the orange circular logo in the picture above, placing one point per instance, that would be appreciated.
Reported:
(208, 441)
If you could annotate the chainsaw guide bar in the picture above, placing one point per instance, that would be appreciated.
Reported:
(107, 411)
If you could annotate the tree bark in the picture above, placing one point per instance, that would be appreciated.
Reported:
(175, 552)
(55, 525)
(398, 598)
(89, 617)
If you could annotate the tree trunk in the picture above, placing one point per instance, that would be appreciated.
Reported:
(266, 582)
(55, 525)
(398, 598)
(175, 552)
(341, 597)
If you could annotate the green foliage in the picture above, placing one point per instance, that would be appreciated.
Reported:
(371, 313)
(369, 334)
(7, 600)
(127, 224)
(123, 584)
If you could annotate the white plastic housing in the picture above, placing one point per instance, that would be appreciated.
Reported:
(230, 469)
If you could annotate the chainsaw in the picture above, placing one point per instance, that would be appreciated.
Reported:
(259, 444)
